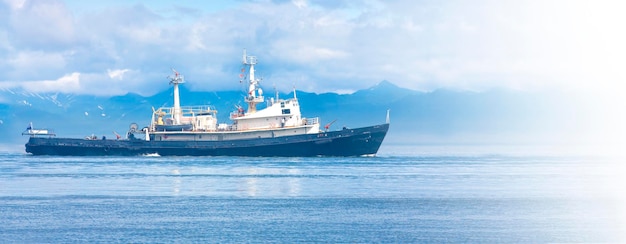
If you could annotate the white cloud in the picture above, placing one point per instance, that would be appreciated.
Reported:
(15, 4)
(37, 60)
(43, 24)
(111, 82)
(332, 46)
(117, 74)
(300, 3)
(308, 55)
(68, 83)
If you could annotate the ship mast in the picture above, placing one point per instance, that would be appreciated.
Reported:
(175, 80)
(252, 97)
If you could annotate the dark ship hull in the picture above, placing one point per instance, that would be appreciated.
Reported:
(346, 142)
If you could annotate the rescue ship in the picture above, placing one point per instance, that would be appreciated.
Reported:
(278, 129)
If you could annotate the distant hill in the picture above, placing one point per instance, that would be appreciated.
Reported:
(441, 116)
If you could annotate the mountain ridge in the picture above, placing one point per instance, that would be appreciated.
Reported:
(415, 115)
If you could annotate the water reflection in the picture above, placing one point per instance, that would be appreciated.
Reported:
(271, 182)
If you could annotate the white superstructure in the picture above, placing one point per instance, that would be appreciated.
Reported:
(281, 117)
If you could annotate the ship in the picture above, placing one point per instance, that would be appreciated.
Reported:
(277, 129)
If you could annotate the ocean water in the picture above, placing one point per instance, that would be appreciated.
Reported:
(407, 194)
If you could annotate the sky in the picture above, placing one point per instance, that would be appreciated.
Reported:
(115, 47)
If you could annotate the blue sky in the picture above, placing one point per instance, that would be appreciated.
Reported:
(115, 47)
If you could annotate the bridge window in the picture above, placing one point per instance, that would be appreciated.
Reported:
(286, 111)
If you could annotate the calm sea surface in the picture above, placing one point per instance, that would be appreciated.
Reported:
(406, 194)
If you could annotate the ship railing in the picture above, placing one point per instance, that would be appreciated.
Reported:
(190, 110)
(236, 114)
(198, 110)
(311, 121)
(38, 133)
(225, 127)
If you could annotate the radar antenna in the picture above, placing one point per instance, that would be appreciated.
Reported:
(177, 78)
